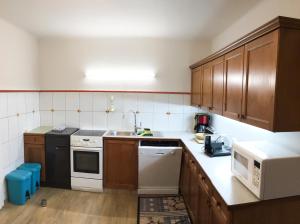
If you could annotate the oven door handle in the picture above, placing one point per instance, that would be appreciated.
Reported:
(83, 149)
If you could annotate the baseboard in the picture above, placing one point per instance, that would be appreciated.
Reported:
(158, 190)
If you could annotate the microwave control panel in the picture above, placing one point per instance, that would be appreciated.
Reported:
(256, 174)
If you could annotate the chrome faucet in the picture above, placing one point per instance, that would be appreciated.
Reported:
(135, 125)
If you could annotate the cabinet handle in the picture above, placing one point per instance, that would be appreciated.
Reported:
(243, 117)
(211, 108)
(168, 113)
(239, 116)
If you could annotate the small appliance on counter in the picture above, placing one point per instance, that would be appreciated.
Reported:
(217, 147)
(269, 171)
(202, 123)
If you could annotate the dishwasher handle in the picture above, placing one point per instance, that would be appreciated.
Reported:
(170, 153)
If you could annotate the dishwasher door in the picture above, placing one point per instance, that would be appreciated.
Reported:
(159, 169)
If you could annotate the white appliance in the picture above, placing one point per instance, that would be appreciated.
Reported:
(159, 167)
(87, 160)
(269, 171)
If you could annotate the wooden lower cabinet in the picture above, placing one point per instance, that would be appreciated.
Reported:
(206, 206)
(120, 164)
(34, 151)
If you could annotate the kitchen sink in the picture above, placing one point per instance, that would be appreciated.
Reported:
(130, 134)
(121, 133)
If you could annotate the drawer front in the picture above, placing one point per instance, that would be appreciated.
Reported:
(34, 139)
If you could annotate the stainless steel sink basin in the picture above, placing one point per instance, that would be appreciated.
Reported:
(121, 133)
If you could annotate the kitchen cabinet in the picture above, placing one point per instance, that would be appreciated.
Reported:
(260, 77)
(203, 213)
(120, 164)
(233, 86)
(185, 177)
(207, 86)
(196, 98)
(217, 67)
(259, 81)
(193, 190)
(34, 151)
(206, 206)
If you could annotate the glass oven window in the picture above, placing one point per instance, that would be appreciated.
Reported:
(86, 162)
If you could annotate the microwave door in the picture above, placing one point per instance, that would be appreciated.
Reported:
(241, 167)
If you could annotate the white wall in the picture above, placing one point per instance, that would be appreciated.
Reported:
(67, 59)
(18, 71)
(18, 58)
(261, 13)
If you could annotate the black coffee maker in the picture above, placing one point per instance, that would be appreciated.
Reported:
(202, 122)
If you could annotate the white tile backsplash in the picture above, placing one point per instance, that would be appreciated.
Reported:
(59, 118)
(86, 120)
(161, 103)
(46, 118)
(18, 112)
(99, 102)
(72, 119)
(72, 101)
(3, 105)
(46, 101)
(152, 110)
(146, 103)
(100, 120)
(86, 101)
(59, 101)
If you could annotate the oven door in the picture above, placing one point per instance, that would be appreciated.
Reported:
(86, 162)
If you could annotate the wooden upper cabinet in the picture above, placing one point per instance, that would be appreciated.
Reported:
(261, 77)
(207, 86)
(259, 81)
(217, 85)
(233, 86)
(197, 86)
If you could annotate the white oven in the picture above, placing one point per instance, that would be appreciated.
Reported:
(87, 160)
(266, 169)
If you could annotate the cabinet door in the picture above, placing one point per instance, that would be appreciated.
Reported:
(36, 154)
(217, 85)
(203, 214)
(217, 213)
(197, 86)
(259, 81)
(120, 164)
(207, 86)
(233, 83)
(193, 203)
(185, 177)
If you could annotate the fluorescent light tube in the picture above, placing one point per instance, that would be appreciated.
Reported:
(120, 74)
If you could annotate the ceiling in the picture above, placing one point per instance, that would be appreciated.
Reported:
(185, 19)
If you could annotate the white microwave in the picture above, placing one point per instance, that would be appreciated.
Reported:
(266, 169)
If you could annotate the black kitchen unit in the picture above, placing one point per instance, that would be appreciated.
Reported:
(58, 158)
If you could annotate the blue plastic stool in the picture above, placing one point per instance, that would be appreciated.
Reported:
(35, 169)
(18, 186)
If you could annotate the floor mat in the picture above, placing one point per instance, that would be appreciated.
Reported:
(162, 210)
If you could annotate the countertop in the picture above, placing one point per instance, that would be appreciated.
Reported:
(218, 169)
(40, 130)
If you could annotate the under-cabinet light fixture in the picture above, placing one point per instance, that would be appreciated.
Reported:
(112, 74)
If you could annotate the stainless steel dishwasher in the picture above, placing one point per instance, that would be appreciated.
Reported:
(159, 167)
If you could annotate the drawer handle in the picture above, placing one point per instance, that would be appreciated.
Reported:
(203, 178)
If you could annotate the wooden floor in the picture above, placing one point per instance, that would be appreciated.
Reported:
(66, 206)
